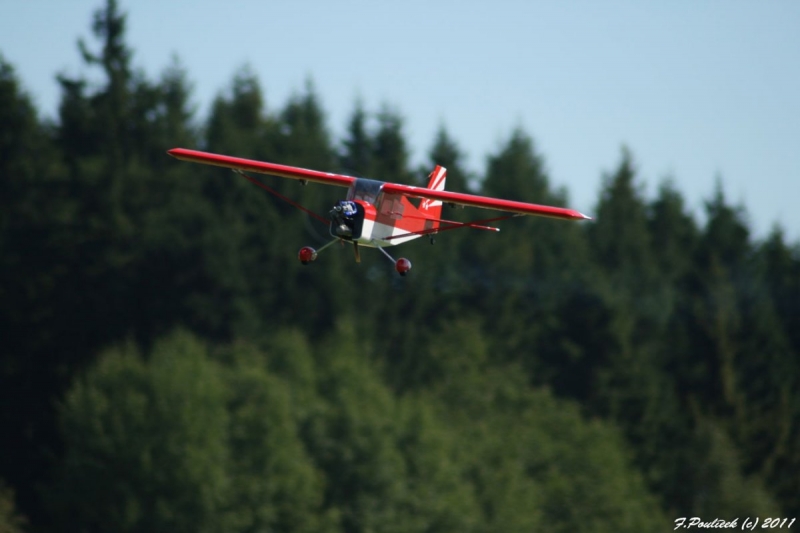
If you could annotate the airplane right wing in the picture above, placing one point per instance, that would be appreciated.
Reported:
(485, 202)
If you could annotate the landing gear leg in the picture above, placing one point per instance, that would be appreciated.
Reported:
(307, 254)
(402, 265)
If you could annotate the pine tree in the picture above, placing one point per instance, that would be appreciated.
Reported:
(35, 214)
(238, 123)
(517, 172)
(175, 113)
(108, 125)
(768, 369)
(390, 151)
(673, 233)
(721, 274)
(449, 261)
(446, 152)
(780, 267)
(620, 239)
(356, 157)
(306, 139)
(522, 272)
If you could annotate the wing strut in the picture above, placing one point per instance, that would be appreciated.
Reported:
(478, 224)
(282, 197)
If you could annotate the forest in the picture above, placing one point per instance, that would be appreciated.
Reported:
(166, 363)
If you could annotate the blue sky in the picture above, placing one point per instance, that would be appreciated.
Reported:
(696, 90)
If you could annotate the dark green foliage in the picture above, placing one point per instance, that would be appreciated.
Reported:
(10, 521)
(167, 365)
(390, 153)
(282, 440)
(146, 443)
(445, 152)
(620, 240)
(238, 123)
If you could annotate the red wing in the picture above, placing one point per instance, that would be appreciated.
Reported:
(284, 171)
(485, 202)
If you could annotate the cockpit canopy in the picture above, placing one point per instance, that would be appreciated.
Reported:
(365, 190)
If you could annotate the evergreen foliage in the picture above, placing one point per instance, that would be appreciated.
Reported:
(167, 365)
(10, 521)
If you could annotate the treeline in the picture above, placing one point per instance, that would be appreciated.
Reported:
(168, 365)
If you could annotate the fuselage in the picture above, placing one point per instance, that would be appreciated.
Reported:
(382, 219)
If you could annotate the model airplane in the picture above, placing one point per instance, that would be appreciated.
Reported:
(378, 214)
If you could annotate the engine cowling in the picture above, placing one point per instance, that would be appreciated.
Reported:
(402, 266)
(306, 255)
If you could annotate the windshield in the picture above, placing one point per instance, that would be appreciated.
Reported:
(365, 190)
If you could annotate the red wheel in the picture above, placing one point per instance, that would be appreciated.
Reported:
(306, 254)
(402, 266)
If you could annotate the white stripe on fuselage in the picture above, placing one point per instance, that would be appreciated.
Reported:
(374, 234)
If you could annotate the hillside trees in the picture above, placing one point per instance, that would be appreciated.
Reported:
(145, 443)
(32, 219)
(186, 439)
(779, 265)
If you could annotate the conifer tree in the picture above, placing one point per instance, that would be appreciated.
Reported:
(238, 123)
(721, 263)
(673, 233)
(356, 157)
(768, 369)
(390, 150)
(446, 152)
(620, 239)
(522, 268)
(452, 259)
(306, 139)
(779, 264)
(103, 122)
(517, 171)
(32, 222)
(174, 122)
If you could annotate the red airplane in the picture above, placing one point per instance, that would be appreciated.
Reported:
(378, 214)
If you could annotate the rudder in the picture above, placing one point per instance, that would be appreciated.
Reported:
(436, 181)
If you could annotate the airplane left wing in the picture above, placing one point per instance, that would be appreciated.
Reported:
(284, 171)
(485, 202)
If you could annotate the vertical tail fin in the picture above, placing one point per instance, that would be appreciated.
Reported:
(433, 208)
